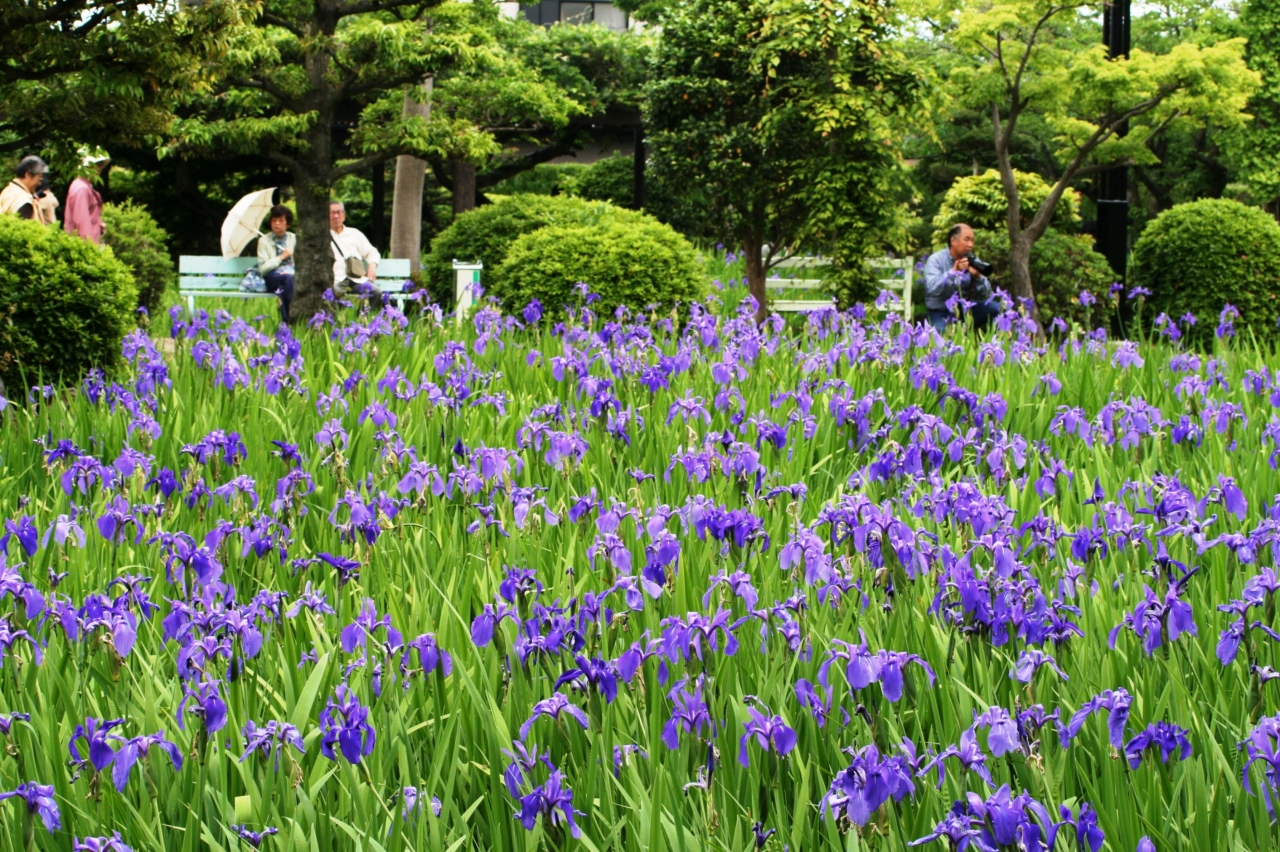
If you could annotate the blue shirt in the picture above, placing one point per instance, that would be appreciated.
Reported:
(941, 281)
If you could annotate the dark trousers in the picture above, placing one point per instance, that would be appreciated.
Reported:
(281, 283)
(983, 313)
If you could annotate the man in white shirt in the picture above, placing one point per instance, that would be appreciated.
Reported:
(349, 242)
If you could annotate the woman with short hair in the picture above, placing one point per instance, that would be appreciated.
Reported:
(275, 257)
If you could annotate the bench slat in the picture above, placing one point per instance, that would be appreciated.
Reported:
(390, 267)
(794, 284)
(801, 306)
(202, 264)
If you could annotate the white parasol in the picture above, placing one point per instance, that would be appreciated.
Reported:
(241, 224)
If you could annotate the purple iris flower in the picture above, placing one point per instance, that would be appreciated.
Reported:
(206, 702)
(39, 800)
(270, 740)
(346, 722)
(98, 738)
(968, 752)
(1261, 747)
(1088, 834)
(690, 713)
(552, 708)
(600, 675)
(769, 732)
(114, 843)
(253, 838)
(348, 569)
(312, 599)
(1004, 736)
(869, 781)
(430, 655)
(1145, 844)
(1116, 702)
(1030, 661)
(354, 635)
(1170, 739)
(483, 625)
(553, 801)
(135, 749)
(7, 720)
(1156, 619)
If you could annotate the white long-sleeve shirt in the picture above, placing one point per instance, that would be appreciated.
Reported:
(351, 243)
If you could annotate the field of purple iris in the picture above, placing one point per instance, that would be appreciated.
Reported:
(643, 581)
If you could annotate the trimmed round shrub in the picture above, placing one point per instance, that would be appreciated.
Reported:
(611, 179)
(142, 245)
(631, 260)
(486, 233)
(65, 304)
(1198, 256)
(1061, 266)
(979, 202)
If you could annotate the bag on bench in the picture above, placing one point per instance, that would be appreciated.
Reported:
(253, 282)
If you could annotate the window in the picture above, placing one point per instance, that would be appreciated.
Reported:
(577, 13)
(610, 17)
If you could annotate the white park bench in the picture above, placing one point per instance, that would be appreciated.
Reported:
(898, 277)
(202, 275)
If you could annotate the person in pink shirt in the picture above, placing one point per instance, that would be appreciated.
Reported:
(83, 212)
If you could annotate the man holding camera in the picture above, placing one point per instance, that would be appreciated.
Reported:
(956, 269)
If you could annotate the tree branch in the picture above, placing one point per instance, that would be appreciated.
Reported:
(345, 10)
(566, 144)
(277, 21)
(365, 163)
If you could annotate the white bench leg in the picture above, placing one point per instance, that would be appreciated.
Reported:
(191, 306)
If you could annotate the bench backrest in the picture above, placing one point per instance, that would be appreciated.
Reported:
(212, 274)
(895, 274)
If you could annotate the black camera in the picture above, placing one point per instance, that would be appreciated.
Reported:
(979, 266)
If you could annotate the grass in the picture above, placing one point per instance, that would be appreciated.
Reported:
(446, 736)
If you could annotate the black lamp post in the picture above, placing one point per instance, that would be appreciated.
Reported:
(1113, 184)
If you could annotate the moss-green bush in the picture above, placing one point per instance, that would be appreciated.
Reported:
(979, 202)
(485, 234)
(543, 179)
(631, 260)
(1061, 266)
(1195, 257)
(142, 245)
(611, 179)
(65, 304)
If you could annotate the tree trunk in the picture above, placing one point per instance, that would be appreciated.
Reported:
(1020, 265)
(378, 217)
(315, 254)
(406, 204)
(753, 251)
(464, 186)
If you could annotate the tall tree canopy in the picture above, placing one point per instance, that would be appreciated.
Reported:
(1024, 57)
(772, 117)
(101, 71)
(306, 72)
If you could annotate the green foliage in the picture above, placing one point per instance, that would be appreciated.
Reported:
(101, 70)
(486, 233)
(980, 202)
(767, 120)
(66, 303)
(1200, 255)
(142, 245)
(628, 259)
(1257, 150)
(543, 179)
(611, 179)
(1062, 265)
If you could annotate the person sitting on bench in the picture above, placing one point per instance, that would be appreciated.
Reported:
(275, 257)
(355, 260)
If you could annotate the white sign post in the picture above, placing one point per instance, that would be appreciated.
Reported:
(466, 279)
